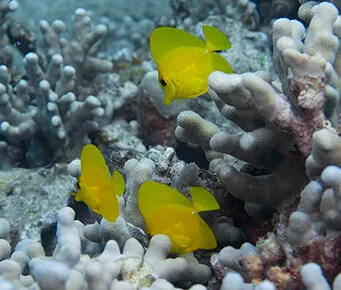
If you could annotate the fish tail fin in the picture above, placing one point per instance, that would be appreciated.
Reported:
(215, 39)
(203, 200)
(117, 183)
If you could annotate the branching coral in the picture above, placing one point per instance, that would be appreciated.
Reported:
(245, 10)
(81, 51)
(55, 111)
(285, 267)
(68, 268)
(278, 122)
(311, 273)
(7, 50)
(318, 213)
(54, 108)
(159, 164)
(281, 124)
(312, 232)
(317, 221)
(326, 150)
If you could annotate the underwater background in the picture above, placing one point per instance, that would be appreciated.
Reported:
(249, 160)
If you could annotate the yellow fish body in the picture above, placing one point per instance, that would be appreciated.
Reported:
(95, 185)
(185, 61)
(166, 211)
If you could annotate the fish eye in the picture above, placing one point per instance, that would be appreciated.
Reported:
(163, 82)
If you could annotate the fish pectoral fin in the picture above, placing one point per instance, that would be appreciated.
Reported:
(89, 197)
(215, 39)
(199, 86)
(203, 200)
(117, 183)
(180, 102)
(73, 193)
(181, 245)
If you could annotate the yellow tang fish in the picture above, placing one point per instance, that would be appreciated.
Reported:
(167, 211)
(185, 61)
(95, 186)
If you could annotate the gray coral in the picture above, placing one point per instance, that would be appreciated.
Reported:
(55, 108)
(56, 113)
(319, 211)
(69, 269)
(277, 122)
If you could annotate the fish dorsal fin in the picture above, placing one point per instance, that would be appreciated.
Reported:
(117, 183)
(203, 200)
(215, 39)
(164, 40)
(153, 195)
(94, 170)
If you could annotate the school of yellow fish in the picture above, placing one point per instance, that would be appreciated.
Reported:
(165, 210)
(184, 64)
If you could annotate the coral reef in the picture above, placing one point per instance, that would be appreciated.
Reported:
(159, 164)
(278, 121)
(53, 107)
(82, 50)
(30, 198)
(70, 268)
(282, 264)
(281, 125)
(249, 52)
(56, 113)
(265, 142)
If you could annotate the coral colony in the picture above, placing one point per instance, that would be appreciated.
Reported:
(238, 188)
